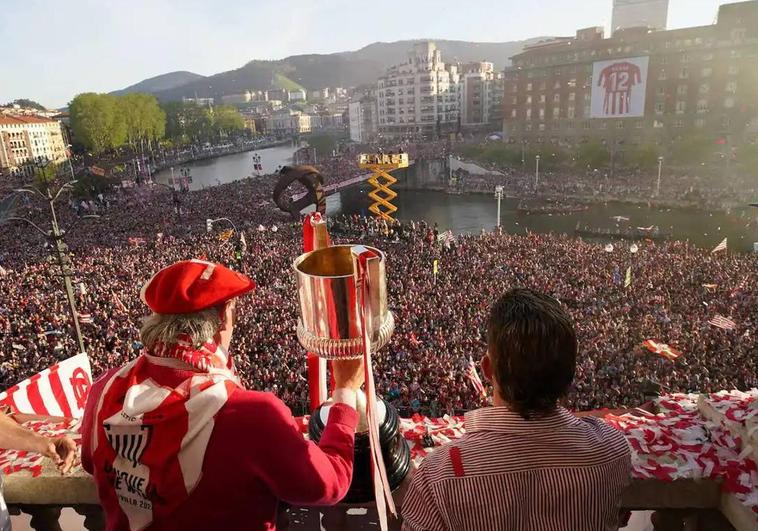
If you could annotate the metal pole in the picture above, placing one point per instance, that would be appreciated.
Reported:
(499, 196)
(66, 272)
(658, 186)
(537, 173)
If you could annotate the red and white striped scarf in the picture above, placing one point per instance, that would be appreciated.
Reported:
(150, 437)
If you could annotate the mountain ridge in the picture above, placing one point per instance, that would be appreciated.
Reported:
(315, 71)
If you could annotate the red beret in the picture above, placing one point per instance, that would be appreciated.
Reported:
(193, 285)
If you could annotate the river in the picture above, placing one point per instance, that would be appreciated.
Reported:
(471, 213)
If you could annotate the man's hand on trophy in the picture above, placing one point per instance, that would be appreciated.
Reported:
(348, 373)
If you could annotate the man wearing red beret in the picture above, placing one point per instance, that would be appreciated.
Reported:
(175, 442)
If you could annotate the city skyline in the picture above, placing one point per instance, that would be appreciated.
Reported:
(114, 46)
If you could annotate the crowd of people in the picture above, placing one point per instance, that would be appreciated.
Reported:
(675, 289)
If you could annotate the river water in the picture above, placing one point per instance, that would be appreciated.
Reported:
(471, 213)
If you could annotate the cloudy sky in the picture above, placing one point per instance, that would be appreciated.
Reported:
(53, 50)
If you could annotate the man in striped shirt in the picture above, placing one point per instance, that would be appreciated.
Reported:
(526, 463)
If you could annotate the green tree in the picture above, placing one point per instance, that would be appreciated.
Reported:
(644, 156)
(227, 120)
(693, 149)
(187, 122)
(143, 117)
(593, 154)
(323, 144)
(97, 122)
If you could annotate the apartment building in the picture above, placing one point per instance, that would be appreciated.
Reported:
(420, 95)
(481, 96)
(26, 138)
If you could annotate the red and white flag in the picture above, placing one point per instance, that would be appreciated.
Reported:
(662, 349)
(119, 305)
(723, 322)
(86, 318)
(473, 375)
(59, 391)
(414, 340)
(720, 247)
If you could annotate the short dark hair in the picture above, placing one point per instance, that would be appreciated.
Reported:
(532, 346)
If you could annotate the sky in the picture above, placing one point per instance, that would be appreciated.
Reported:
(53, 50)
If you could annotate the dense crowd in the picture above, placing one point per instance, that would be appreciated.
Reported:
(440, 321)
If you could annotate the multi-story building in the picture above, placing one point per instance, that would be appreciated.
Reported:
(650, 14)
(25, 138)
(638, 86)
(203, 102)
(296, 95)
(419, 96)
(288, 122)
(481, 96)
(362, 115)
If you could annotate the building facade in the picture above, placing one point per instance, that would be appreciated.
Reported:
(362, 115)
(481, 96)
(25, 138)
(679, 82)
(419, 96)
(288, 122)
(650, 14)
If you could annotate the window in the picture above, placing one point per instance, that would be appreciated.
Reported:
(514, 100)
(556, 98)
(557, 84)
(571, 112)
(681, 90)
(699, 123)
(662, 75)
(678, 124)
(702, 106)
(684, 73)
(542, 114)
(528, 86)
(556, 113)
(681, 107)
(620, 124)
(731, 87)
(542, 98)
(705, 88)
(639, 124)
(685, 58)
(660, 91)
(585, 125)
(529, 114)
(733, 70)
(542, 127)
(529, 100)
(706, 72)
(729, 102)
(659, 108)
(738, 34)
(657, 124)
(572, 96)
(513, 113)
(603, 125)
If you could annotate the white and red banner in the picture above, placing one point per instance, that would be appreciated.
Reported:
(618, 88)
(662, 349)
(59, 391)
(720, 321)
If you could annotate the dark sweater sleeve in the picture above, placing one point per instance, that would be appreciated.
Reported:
(298, 471)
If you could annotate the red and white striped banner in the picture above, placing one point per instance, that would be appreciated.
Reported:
(663, 349)
(59, 391)
(720, 247)
(473, 375)
(723, 322)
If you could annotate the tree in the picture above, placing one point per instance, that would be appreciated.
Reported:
(187, 122)
(143, 117)
(593, 154)
(227, 120)
(26, 103)
(644, 156)
(97, 121)
(693, 149)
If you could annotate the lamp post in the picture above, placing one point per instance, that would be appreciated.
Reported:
(658, 185)
(523, 152)
(499, 197)
(537, 173)
(56, 235)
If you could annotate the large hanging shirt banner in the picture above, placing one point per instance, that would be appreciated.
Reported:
(618, 88)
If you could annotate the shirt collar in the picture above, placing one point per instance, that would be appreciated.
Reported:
(502, 419)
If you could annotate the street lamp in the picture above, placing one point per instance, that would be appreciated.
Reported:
(658, 185)
(56, 235)
(537, 173)
(499, 197)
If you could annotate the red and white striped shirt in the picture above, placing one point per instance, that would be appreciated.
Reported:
(556, 472)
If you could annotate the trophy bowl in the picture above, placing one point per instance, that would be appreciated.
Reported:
(329, 323)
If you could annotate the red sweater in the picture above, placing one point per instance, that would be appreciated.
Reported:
(256, 457)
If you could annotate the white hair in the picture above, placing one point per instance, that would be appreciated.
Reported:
(166, 327)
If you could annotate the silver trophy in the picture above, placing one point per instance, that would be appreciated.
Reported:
(330, 326)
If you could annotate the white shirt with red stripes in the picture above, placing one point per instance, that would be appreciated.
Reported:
(555, 472)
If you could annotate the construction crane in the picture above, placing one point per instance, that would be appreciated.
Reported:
(382, 194)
